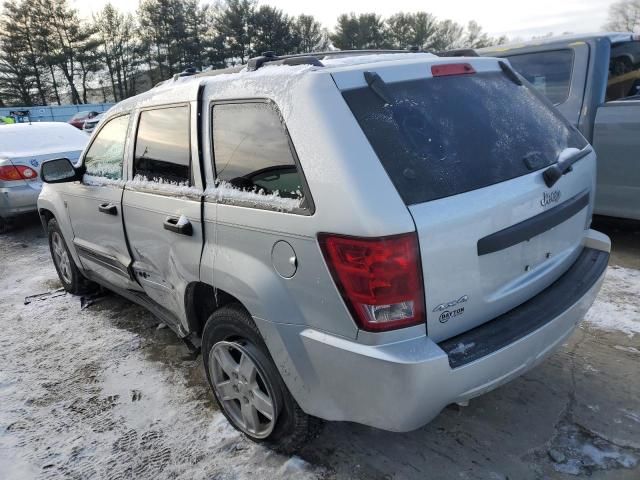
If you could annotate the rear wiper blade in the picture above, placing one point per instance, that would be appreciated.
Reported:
(552, 174)
(510, 73)
(377, 85)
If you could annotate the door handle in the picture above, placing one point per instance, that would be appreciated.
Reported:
(174, 224)
(108, 208)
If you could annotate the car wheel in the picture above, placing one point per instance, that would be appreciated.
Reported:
(247, 385)
(70, 276)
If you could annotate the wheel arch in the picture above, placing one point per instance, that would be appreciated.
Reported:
(201, 300)
(45, 216)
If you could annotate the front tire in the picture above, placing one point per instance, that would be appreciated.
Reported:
(70, 276)
(247, 385)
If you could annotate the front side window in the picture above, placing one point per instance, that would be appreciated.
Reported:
(253, 155)
(162, 151)
(549, 72)
(106, 153)
(624, 71)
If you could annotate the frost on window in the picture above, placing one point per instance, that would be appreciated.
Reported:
(161, 185)
(225, 192)
(106, 153)
(254, 161)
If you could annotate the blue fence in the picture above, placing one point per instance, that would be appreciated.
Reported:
(56, 113)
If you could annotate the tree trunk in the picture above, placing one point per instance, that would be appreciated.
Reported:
(55, 84)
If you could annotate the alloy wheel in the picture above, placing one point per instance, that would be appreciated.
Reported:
(61, 257)
(241, 388)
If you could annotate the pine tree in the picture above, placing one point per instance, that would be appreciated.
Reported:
(308, 35)
(235, 24)
(273, 31)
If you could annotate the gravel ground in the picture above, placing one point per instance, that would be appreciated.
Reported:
(107, 392)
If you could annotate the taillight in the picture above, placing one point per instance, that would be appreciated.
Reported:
(20, 172)
(448, 69)
(380, 279)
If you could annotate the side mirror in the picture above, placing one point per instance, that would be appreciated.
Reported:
(60, 170)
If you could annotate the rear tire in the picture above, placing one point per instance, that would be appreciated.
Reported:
(231, 345)
(70, 276)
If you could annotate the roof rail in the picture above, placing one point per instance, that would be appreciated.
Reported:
(312, 58)
(270, 57)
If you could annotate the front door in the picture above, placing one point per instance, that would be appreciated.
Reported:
(95, 209)
(162, 207)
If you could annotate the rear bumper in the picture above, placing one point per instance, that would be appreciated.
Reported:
(19, 199)
(403, 385)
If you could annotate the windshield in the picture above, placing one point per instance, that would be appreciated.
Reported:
(447, 135)
(624, 71)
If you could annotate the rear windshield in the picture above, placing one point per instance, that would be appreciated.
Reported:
(447, 135)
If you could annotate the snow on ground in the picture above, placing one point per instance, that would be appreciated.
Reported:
(106, 392)
(618, 305)
(85, 394)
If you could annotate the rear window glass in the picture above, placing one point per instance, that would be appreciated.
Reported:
(549, 72)
(624, 71)
(448, 135)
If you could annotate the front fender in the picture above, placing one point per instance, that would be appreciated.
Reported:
(51, 200)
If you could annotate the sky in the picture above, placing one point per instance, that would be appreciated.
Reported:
(516, 19)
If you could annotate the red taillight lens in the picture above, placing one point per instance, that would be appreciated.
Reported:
(26, 172)
(448, 69)
(10, 173)
(379, 279)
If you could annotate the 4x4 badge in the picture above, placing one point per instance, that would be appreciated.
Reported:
(444, 306)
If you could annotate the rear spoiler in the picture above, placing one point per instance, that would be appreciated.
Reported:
(458, 52)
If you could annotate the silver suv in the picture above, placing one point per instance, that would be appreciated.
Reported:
(354, 237)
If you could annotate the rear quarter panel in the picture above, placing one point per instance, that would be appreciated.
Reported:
(352, 195)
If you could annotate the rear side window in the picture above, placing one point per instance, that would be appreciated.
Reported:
(162, 146)
(448, 135)
(252, 153)
(105, 155)
(624, 71)
(549, 72)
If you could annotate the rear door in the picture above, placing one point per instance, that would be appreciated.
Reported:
(616, 136)
(162, 205)
(466, 153)
(94, 206)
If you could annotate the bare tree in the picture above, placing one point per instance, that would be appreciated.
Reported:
(624, 16)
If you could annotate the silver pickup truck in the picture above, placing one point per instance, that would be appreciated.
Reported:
(594, 80)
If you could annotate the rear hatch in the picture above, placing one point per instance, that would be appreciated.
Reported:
(466, 150)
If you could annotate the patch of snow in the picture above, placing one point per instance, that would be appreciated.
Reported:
(182, 221)
(617, 307)
(294, 466)
(581, 452)
(101, 181)
(141, 182)
(374, 58)
(626, 349)
(224, 191)
(462, 348)
(567, 153)
(94, 394)
(635, 416)
(40, 138)
(600, 457)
